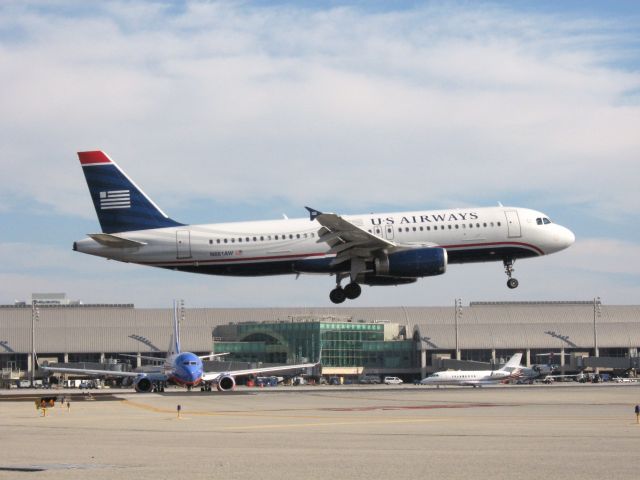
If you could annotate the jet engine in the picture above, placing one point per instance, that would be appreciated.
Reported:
(142, 385)
(415, 262)
(226, 383)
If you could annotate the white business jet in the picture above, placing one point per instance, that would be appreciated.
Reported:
(476, 378)
(370, 249)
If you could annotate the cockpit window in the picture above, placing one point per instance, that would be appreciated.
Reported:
(546, 221)
(189, 363)
(539, 221)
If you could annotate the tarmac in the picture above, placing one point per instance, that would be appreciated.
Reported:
(327, 432)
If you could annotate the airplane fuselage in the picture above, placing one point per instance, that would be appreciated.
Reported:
(291, 245)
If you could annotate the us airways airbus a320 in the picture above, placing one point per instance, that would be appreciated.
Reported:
(371, 249)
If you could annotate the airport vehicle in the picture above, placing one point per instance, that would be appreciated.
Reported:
(179, 368)
(392, 381)
(476, 378)
(372, 249)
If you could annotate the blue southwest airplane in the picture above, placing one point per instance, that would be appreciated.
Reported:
(179, 368)
(370, 249)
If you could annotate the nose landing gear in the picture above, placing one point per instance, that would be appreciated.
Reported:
(508, 269)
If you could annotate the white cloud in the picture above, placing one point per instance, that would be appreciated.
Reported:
(240, 102)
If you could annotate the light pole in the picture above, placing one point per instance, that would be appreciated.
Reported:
(35, 314)
(457, 313)
(596, 314)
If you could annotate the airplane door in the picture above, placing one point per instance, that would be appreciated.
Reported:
(388, 232)
(513, 223)
(378, 231)
(183, 243)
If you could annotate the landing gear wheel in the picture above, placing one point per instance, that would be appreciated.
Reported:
(337, 295)
(508, 269)
(352, 290)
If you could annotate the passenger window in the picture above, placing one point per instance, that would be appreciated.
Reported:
(261, 239)
(247, 239)
(477, 225)
(276, 237)
(499, 224)
(218, 240)
(457, 226)
(240, 240)
(233, 240)
(210, 242)
(492, 224)
(484, 225)
(255, 239)
(225, 240)
(471, 225)
(290, 236)
(414, 229)
(421, 229)
(297, 235)
(428, 228)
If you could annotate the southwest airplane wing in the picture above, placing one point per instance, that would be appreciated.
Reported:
(214, 376)
(87, 371)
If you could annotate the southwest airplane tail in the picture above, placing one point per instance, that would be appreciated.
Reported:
(120, 204)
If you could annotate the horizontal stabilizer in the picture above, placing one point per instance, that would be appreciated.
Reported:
(110, 240)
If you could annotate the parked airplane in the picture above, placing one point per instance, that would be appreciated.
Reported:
(179, 368)
(371, 249)
(476, 378)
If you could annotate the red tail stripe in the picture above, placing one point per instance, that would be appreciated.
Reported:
(93, 157)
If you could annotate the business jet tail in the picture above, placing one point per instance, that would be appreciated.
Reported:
(120, 204)
(513, 363)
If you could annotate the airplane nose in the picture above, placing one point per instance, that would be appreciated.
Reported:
(568, 237)
(563, 238)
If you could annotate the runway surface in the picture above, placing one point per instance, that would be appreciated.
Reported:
(568, 432)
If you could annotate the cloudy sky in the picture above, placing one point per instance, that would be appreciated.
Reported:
(249, 110)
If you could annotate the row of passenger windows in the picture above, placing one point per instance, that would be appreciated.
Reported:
(443, 227)
(262, 238)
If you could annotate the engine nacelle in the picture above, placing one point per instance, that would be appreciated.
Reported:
(143, 385)
(226, 383)
(415, 262)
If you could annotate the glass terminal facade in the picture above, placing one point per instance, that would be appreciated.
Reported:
(343, 344)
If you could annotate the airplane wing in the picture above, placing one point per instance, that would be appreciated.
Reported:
(346, 239)
(213, 355)
(212, 376)
(88, 371)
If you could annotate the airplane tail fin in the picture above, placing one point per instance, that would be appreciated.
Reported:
(120, 204)
(513, 363)
(174, 345)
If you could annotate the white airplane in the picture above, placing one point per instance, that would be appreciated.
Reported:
(476, 378)
(179, 368)
(371, 249)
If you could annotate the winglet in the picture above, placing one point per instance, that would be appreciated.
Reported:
(313, 213)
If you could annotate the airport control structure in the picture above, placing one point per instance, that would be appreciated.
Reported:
(349, 342)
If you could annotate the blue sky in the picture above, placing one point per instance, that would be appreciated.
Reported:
(248, 110)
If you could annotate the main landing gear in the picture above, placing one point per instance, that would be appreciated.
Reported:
(350, 291)
(508, 269)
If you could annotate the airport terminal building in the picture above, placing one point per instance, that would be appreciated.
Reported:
(409, 342)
